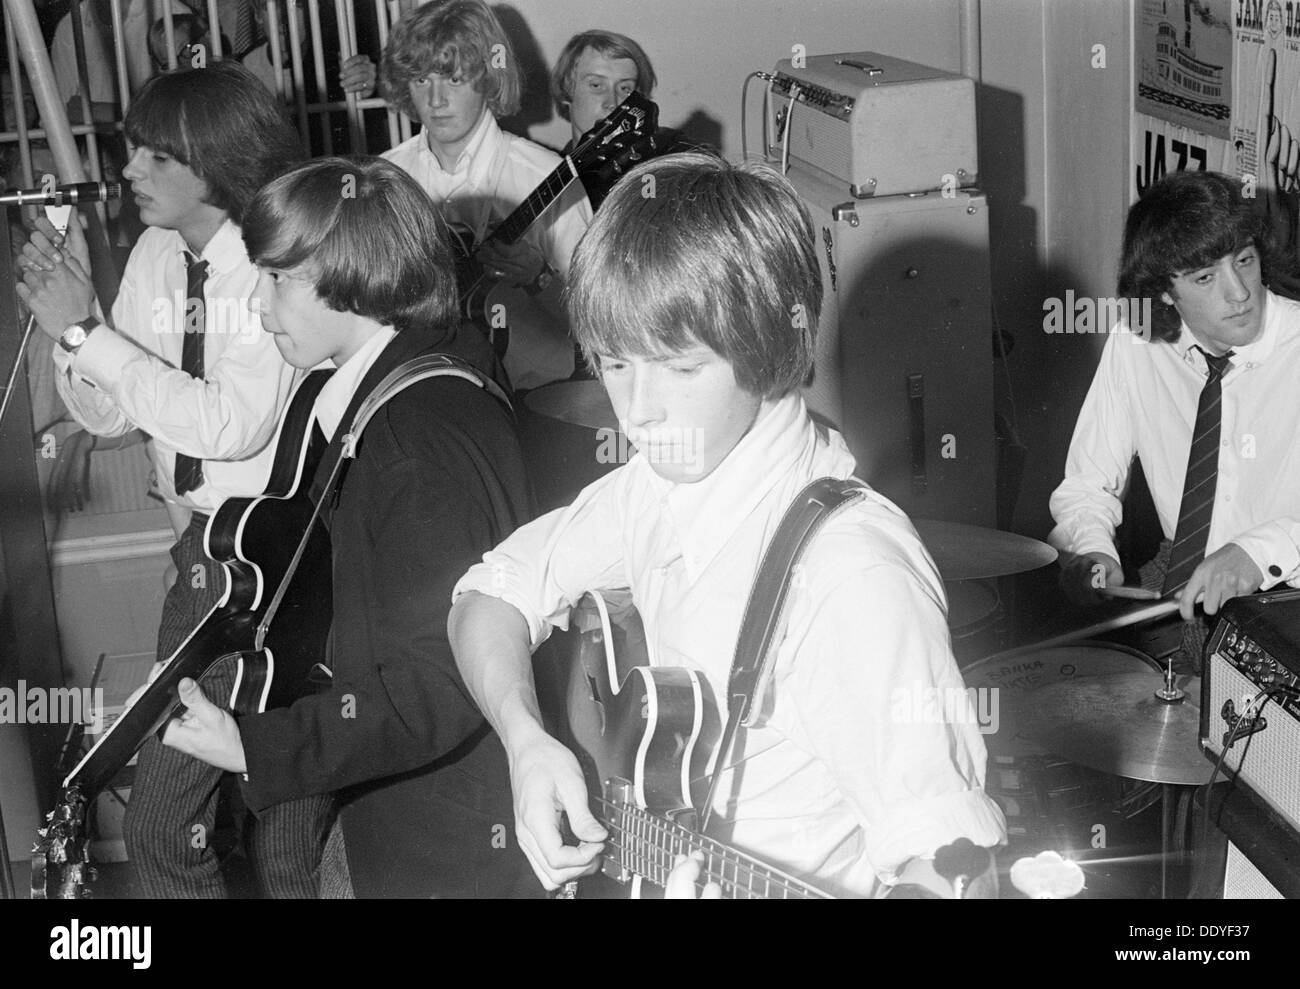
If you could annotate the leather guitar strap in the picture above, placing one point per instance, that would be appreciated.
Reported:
(765, 612)
(395, 382)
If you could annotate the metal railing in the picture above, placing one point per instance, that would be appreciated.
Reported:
(295, 57)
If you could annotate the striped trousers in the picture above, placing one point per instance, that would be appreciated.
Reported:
(169, 821)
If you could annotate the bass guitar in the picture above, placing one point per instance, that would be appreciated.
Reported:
(247, 537)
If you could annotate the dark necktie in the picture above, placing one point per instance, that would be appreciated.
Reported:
(1197, 507)
(189, 470)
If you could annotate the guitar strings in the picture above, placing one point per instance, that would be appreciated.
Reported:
(685, 840)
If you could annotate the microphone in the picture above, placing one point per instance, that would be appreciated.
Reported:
(63, 195)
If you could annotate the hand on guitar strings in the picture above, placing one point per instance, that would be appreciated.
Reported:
(519, 263)
(548, 783)
(206, 732)
(682, 880)
(56, 284)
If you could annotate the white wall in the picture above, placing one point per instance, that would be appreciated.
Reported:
(703, 49)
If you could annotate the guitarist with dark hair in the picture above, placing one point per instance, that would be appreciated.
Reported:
(698, 306)
(355, 270)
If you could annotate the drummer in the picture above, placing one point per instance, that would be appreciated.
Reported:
(1211, 372)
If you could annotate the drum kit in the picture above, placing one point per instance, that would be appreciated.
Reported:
(1075, 713)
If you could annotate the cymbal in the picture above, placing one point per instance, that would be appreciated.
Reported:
(971, 552)
(1117, 725)
(581, 403)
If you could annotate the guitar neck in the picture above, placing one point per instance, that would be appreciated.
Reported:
(647, 845)
(522, 217)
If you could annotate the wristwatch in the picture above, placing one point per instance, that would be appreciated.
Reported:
(75, 335)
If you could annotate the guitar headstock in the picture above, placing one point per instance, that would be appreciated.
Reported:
(620, 136)
(61, 868)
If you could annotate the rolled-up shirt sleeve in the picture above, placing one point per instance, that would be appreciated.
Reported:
(545, 567)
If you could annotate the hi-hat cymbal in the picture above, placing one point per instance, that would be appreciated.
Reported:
(970, 552)
(1117, 725)
(582, 403)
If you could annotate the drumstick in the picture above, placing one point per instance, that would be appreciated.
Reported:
(1136, 593)
(1152, 611)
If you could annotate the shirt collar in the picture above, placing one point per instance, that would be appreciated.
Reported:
(224, 252)
(707, 513)
(333, 399)
(1250, 354)
(470, 160)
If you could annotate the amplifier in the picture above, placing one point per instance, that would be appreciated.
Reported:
(1254, 648)
(880, 125)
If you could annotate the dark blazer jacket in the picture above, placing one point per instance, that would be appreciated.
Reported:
(421, 779)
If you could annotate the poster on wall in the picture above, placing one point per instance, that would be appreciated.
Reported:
(1160, 147)
(1183, 50)
(1266, 110)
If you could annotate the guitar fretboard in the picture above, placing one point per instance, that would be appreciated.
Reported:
(647, 845)
(522, 217)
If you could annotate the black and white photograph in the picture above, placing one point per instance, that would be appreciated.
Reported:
(699, 449)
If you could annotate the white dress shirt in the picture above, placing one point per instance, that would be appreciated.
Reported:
(837, 786)
(1143, 400)
(129, 376)
(337, 392)
(494, 173)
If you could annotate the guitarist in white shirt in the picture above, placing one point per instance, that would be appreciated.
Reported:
(699, 307)
(449, 65)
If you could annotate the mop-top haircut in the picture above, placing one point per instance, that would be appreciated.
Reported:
(1186, 221)
(365, 234)
(691, 249)
(223, 123)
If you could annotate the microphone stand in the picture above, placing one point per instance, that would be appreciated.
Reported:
(13, 371)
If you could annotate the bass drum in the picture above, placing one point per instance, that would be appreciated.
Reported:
(1049, 802)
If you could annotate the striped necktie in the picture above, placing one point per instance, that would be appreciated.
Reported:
(189, 470)
(1197, 507)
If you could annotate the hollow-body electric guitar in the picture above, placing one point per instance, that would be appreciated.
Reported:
(253, 540)
(643, 736)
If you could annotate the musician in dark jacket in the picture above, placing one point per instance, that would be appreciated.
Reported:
(354, 269)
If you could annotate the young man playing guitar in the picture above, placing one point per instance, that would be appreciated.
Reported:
(184, 359)
(355, 270)
(450, 66)
(594, 73)
(696, 293)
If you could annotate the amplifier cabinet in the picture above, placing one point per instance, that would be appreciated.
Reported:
(874, 125)
(904, 359)
(1243, 881)
(1256, 647)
